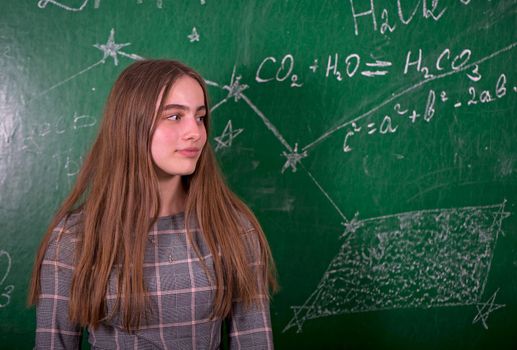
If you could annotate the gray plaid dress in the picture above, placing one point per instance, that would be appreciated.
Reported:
(180, 297)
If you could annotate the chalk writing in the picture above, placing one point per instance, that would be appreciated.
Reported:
(353, 65)
(395, 96)
(367, 12)
(66, 162)
(62, 125)
(456, 63)
(417, 259)
(6, 290)
(283, 72)
(486, 96)
(314, 67)
(67, 6)
(43, 3)
(387, 125)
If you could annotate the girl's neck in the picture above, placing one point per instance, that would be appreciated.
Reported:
(172, 196)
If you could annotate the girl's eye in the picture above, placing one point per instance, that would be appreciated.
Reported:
(201, 119)
(174, 117)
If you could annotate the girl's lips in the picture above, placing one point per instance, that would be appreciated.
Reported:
(189, 152)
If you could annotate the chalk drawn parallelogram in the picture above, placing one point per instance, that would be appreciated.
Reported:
(418, 259)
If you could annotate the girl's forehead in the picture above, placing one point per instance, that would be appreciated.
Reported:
(184, 89)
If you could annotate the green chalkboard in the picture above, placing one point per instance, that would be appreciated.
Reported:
(375, 140)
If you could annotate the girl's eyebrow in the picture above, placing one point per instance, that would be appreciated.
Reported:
(182, 107)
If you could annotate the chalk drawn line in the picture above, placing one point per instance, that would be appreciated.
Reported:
(293, 158)
(218, 104)
(235, 89)
(109, 49)
(69, 78)
(326, 195)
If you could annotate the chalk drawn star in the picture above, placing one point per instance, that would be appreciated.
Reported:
(194, 36)
(226, 138)
(298, 317)
(293, 158)
(235, 88)
(112, 49)
(484, 309)
(352, 225)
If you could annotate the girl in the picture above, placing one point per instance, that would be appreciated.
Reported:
(151, 250)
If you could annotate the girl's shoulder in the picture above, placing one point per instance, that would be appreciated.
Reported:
(245, 222)
(249, 236)
(64, 238)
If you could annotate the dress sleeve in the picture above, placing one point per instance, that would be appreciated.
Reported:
(250, 328)
(53, 327)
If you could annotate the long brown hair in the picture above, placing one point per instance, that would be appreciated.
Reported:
(116, 193)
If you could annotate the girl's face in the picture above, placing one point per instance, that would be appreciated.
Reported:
(180, 133)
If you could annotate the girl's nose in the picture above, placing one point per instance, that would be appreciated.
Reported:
(192, 129)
